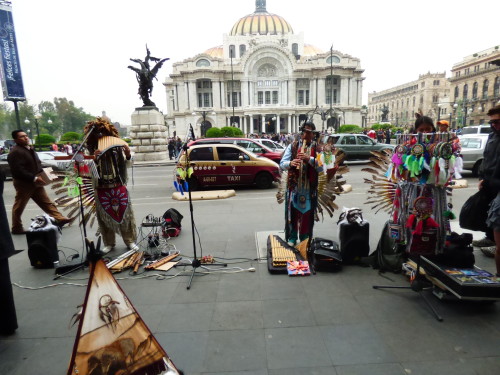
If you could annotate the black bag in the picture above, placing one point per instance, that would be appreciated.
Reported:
(475, 211)
(389, 255)
(324, 255)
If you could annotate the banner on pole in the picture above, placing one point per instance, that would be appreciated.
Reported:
(12, 80)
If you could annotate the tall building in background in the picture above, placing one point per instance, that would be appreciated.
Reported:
(475, 87)
(263, 79)
(426, 94)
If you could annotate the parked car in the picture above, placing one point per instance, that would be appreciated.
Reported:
(228, 165)
(472, 151)
(48, 160)
(4, 166)
(356, 146)
(247, 143)
(476, 129)
(274, 146)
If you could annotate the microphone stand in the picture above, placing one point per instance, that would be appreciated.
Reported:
(64, 270)
(196, 262)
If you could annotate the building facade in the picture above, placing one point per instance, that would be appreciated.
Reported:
(427, 95)
(474, 88)
(263, 79)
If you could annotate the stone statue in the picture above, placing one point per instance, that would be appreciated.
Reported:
(145, 76)
(385, 112)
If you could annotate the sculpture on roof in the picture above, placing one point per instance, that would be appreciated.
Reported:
(145, 76)
(385, 112)
(260, 6)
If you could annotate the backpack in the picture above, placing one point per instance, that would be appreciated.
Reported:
(389, 255)
(171, 226)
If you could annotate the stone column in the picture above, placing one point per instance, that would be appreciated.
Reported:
(149, 134)
(263, 127)
(289, 123)
(250, 126)
(321, 92)
(292, 92)
(193, 99)
(216, 95)
(344, 91)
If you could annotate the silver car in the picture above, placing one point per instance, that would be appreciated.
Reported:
(472, 151)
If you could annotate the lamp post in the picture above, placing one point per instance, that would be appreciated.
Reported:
(203, 123)
(325, 115)
(232, 85)
(38, 116)
(439, 112)
(449, 114)
(465, 111)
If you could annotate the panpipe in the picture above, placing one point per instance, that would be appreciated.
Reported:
(107, 142)
(133, 261)
(280, 253)
(161, 261)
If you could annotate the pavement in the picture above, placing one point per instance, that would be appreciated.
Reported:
(243, 320)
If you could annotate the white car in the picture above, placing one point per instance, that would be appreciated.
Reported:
(47, 159)
(274, 146)
(472, 151)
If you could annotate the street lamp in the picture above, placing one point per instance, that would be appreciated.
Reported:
(325, 115)
(203, 123)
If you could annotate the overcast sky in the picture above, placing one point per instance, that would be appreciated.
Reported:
(80, 49)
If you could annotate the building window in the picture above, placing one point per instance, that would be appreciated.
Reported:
(414, 100)
(268, 97)
(496, 87)
(295, 49)
(275, 97)
(232, 51)
(474, 90)
(421, 99)
(260, 97)
(456, 93)
(259, 83)
(465, 92)
(243, 49)
(300, 99)
(204, 92)
(485, 89)
(267, 83)
(331, 88)
(202, 63)
(422, 85)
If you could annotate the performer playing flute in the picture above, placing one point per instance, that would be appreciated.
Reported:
(299, 159)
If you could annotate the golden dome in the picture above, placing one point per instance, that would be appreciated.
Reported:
(310, 50)
(215, 52)
(261, 22)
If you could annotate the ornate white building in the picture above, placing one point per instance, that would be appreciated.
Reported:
(263, 79)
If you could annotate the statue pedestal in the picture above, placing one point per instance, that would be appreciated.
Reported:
(149, 135)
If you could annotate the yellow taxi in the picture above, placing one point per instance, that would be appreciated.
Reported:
(228, 165)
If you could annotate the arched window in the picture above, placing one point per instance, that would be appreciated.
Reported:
(295, 49)
(485, 89)
(465, 92)
(474, 90)
(414, 100)
(243, 49)
(202, 62)
(456, 93)
(496, 87)
(232, 52)
(332, 60)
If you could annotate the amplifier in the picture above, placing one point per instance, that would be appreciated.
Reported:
(42, 248)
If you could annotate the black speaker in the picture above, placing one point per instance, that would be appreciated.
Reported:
(354, 241)
(42, 248)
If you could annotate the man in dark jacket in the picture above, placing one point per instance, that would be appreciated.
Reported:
(26, 167)
(489, 180)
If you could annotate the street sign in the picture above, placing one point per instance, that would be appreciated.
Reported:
(10, 68)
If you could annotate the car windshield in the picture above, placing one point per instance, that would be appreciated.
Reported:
(471, 143)
(476, 130)
(43, 156)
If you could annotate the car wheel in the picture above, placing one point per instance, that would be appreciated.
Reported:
(264, 180)
(475, 169)
(194, 185)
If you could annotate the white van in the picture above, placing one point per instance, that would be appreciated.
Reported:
(476, 129)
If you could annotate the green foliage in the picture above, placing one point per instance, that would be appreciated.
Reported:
(230, 131)
(72, 118)
(45, 139)
(382, 126)
(71, 136)
(213, 133)
(350, 129)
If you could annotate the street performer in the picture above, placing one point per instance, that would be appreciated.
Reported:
(299, 159)
(113, 207)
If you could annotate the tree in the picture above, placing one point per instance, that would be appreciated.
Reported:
(71, 117)
(231, 131)
(214, 133)
(350, 129)
(71, 137)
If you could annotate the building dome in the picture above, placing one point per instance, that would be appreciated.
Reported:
(261, 22)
